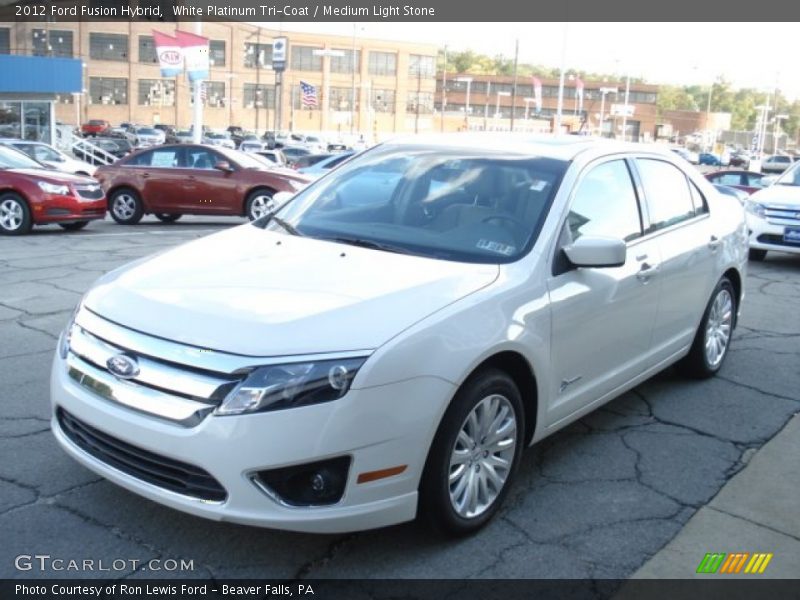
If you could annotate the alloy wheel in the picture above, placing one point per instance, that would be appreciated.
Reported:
(718, 328)
(124, 206)
(483, 455)
(260, 205)
(11, 214)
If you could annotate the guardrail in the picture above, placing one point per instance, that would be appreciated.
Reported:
(87, 149)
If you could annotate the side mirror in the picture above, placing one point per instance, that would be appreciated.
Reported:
(596, 252)
(224, 165)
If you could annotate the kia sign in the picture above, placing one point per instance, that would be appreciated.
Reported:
(279, 49)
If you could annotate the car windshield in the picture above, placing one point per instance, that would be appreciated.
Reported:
(790, 177)
(184, 133)
(246, 161)
(147, 131)
(217, 136)
(452, 204)
(13, 159)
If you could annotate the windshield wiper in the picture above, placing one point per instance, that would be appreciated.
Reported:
(262, 222)
(362, 243)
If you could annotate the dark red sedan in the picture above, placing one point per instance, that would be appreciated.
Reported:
(174, 180)
(31, 194)
(749, 181)
(95, 127)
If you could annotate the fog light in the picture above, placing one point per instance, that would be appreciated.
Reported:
(312, 484)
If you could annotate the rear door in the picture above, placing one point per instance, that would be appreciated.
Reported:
(677, 217)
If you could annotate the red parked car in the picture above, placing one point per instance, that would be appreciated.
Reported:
(31, 194)
(95, 127)
(749, 181)
(174, 180)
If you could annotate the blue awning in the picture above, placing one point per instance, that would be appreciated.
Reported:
(40, 74)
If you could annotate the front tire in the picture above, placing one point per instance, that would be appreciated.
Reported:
(713, 337)
(259, 203)
(125, 207)
(15, 216)
(757, 254)
(77, 225)
(474, 455)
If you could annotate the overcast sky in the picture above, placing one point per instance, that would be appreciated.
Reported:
(748, 54)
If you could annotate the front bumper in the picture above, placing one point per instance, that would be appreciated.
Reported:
(768, 234)
(52, 208)
(379, 428)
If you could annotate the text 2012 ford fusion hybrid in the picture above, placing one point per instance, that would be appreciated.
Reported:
(387, 343)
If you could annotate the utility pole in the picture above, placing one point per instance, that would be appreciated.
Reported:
(197, 120)
(514, 84)
(444, 88)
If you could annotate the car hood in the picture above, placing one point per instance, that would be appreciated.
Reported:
(53, 176)
(778, 195)
(258, 293)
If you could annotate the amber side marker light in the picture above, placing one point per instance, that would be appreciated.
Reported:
(381, 474)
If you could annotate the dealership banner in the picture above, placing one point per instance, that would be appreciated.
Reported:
(195, 54)
(170, 55)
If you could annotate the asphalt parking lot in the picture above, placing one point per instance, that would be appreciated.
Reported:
(595, 500)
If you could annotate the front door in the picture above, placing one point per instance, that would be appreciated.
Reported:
(213, 190)
(602, 318)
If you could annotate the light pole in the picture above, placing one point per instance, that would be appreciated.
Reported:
(326, 103)
(468, 81)
(776, 130)
(353, 82)
(497, 107)
(625, 114)
(528, 106)
(603, 92)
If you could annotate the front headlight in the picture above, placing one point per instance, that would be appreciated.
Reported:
(53, 188)
(276, 387)
(755, 208)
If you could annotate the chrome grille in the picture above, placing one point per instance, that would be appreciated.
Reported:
(782, 215)
(89, 191)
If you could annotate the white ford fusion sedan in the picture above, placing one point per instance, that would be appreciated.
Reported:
(388, 342)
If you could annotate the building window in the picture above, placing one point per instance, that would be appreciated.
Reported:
(340, 99)
(383, 63)
(258, 55)
(422, 101)
(147, 49)
(108, 46)
(214, 93)
(421, 66)
(216, 53)
(156, 92)
(108, 90)
(52, 43)
(259, 95)
(345, 63)
(303, 59)
(383, 101)
(5, 40)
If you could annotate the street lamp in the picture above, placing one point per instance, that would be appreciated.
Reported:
(468, 81)
(603, 92)
(497, 106)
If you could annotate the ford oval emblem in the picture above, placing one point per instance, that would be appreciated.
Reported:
(123, 366)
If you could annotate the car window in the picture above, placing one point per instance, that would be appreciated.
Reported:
(667, 193)
(446, 203)
(698, 200)
(604, 204)
(728, 179)
(161, 157)
(754, 180)
(336, 161)
(201, 158)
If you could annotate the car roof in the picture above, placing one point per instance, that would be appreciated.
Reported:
(565, 147)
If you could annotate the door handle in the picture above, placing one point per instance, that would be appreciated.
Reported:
(714, 243)
(646, 272)
(145, 175)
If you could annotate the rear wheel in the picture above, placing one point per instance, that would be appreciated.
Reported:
(713, 337)
(125, 207)
(74, 226)
(259, 203)
(15, 216)
(474, 455)
(168, 217)
(756, 254)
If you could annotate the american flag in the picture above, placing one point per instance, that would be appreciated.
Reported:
(309, 94)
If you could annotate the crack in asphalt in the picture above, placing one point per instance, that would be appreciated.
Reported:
(757, 523)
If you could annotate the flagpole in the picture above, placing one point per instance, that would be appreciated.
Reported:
(197, 118)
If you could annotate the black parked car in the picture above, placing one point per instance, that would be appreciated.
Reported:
(236, 133)
(169, 132)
